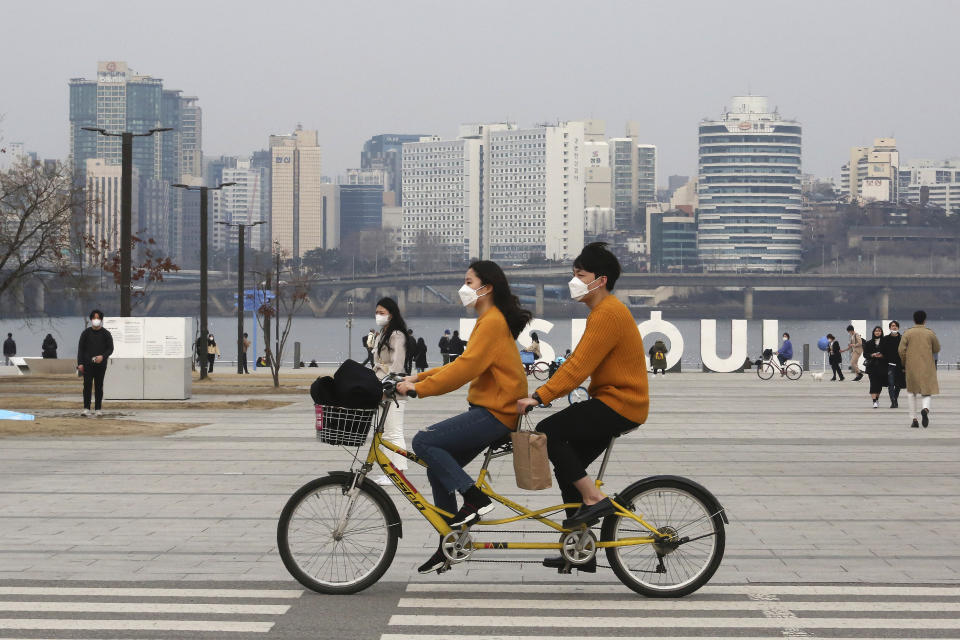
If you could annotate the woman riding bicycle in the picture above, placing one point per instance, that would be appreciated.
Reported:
(611, 354)
(492, 362)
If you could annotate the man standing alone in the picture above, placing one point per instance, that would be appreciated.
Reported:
(9, 349)
(445, 347)
(918, 350)
(93, 351)
(243, 355)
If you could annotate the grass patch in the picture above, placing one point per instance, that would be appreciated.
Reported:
(66, 426)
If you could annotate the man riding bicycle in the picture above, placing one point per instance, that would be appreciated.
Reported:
(611, 354)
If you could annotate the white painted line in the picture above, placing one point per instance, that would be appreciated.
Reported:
(690, 603)
(136, 625)
(447, 636)
(654, 622)
(146, 607)
(787, 590)
(260, 594)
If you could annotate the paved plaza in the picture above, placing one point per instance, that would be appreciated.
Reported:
(820, 489)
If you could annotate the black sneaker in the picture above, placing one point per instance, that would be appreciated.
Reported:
(557, 562)
(587, 514)
(925, 417)
(914, 424)
(436, 561)
(858, 378)
(475, 504)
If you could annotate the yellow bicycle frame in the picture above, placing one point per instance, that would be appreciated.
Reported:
(437, 517)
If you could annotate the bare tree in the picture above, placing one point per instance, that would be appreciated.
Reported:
(36, 204)
(290, 296)
(149, 269)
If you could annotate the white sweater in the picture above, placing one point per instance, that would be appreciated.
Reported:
(391, 358)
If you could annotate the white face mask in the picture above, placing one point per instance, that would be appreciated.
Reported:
(381, 320)
(469, 296)
(578, 288)
(96, 322)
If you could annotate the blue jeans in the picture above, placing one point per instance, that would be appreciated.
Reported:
(892, 389)
(449, 445)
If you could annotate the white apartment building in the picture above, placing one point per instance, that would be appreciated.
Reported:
(241, 203)
(534, 188)
(102, 225)
(935, 182)
(871, 174)
(441, 194)
(298, 222)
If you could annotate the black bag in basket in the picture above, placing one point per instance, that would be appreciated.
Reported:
(356, 386)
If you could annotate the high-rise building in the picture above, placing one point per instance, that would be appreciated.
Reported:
(671, 239)
(361, 208)
(931, 182)
(646, 175)
(533, 198)
(102, 195)
(871, 174)
(749, 190)
(297, 222)
(241, 203)
(633, 168)
(385, 153)
(121, 100)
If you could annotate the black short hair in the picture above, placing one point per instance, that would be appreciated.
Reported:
(830, 336)
(244, 335)
(894, 322)
(786, 334)
(96, 312)
(599, 261)
(9, 335)
(850, 327)
(919, 316)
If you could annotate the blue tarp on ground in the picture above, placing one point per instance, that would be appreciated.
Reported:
(13, 415)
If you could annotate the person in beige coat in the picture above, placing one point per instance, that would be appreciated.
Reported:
(389, 354)
(918, 350)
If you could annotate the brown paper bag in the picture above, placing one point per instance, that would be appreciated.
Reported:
(530, 462)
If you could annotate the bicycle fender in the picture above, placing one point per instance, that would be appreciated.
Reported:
(715, 505)
(392, 514)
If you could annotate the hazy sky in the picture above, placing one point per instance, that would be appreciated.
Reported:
(848, 70)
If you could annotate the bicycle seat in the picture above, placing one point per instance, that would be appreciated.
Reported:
(623, 433)
(503, 445)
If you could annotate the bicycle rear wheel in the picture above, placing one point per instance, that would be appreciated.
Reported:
(765, 371)
(675, 568)
(541, 370)
(332, 542)
(794, 371)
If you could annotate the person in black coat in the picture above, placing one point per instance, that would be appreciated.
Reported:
(420, 359)
(9, 349)
(457, 346)
(49, 347)
(95, 347)
(890, 346)
(836, 357)
(876, 363)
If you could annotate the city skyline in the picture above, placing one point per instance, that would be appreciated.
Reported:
(845, 103)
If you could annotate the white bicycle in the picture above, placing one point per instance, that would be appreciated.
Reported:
(770, 364)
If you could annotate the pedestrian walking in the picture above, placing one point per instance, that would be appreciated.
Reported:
(836, 357)
(855, 347)
(243, 354)
(896, 379)
(213, 352)
(457, 345)
(658, 357)
(410, 353)
(49, 347)
(368, 345)
(390, 356)
(876, 364)
(420, 359)
(445, 347)
(93, 351)
(9, 349)
(918, 350)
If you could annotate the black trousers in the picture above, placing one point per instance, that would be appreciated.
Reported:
(211, 358)
(243, 360)
(93, 380)
(576, 437)
(369, 359)
(837, 370)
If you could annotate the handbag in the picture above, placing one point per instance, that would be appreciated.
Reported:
(531, 466)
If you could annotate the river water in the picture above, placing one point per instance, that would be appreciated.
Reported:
(328, 340)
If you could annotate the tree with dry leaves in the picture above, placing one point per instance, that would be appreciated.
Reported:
(290, 296)
(148, 269)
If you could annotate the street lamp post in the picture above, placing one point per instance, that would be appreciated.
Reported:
(241, 229)
(201, 356)
(126, 205)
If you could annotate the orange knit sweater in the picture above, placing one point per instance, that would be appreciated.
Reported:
(492, 361)
(611, 354)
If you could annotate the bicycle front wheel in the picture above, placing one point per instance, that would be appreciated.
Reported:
(334, 542)
(794, 371)
(578, 395)
(541, 370)
(765, 371)
(686, 561)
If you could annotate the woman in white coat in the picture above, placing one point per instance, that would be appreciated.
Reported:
(389, 355)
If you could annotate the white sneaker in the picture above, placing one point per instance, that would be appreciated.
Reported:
(98, 413)
(85, 413)
(876, 405)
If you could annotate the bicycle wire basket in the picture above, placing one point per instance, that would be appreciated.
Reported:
(343, 425)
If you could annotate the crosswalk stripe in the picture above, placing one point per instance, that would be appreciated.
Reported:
(146, 607)
(786, 590)
(581, 622)
(260, 594)
(134, 625)
(685, 604)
